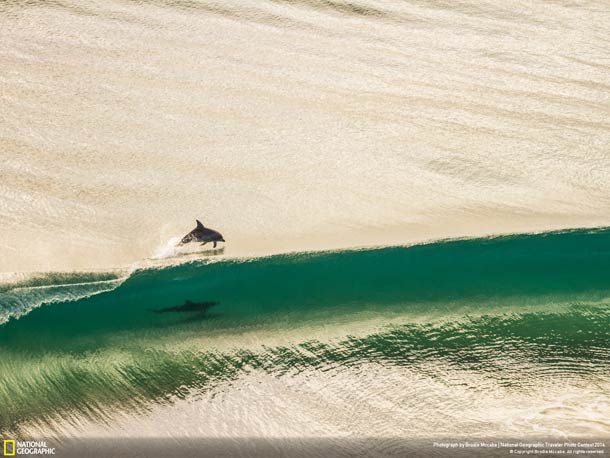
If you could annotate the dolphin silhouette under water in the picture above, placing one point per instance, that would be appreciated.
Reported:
(188, 307)
(202, 234)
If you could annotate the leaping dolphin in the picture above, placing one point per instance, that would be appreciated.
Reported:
(202, 234)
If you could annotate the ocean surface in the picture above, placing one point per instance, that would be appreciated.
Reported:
(415, 197)
(295, 125)
(464, 338)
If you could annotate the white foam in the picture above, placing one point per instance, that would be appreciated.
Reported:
(29, 291)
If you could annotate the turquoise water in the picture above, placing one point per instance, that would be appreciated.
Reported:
(304, 126)
(516, 309)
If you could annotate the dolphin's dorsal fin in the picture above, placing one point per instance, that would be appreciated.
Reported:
(199, 225)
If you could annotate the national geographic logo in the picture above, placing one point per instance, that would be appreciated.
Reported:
(8, 447)
(12, 447)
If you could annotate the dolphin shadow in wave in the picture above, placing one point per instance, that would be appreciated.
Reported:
(188, 307)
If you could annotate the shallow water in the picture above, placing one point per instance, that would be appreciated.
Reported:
(295, 125)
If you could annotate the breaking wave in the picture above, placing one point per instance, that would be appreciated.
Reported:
(512, 309)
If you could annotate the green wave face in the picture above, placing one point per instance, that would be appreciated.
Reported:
(534, 306)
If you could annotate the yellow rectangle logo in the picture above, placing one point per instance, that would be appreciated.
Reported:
(6, 447)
